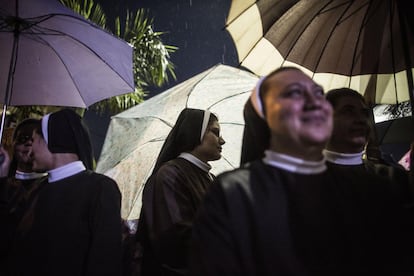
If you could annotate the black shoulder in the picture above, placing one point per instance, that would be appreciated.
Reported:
(240, 179)
(231, 179)
(235, 175)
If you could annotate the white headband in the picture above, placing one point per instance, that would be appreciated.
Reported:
(45, 122)
(206, 118)
(255, 98)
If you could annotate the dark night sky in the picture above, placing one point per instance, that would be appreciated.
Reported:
(196, 27)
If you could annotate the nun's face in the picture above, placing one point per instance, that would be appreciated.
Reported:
(351, 125)
(298, 115)
(42, 157)
(23, 147)
(210, 147)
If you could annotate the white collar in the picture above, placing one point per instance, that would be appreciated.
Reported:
(66, 171)
(191, 158)
(343, 158)
(293, 164)
(28, 175)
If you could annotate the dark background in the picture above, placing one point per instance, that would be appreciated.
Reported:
(196, 27)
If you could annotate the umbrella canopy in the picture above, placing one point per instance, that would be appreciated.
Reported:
(367, 45)
(135, 136)
(52, 56)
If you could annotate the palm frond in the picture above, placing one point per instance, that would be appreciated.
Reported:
(88, 9)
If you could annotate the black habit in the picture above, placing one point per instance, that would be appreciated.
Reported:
(263, 220)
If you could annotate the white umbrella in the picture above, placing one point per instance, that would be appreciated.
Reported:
(52, 56)
(135, 136)
(367, 45)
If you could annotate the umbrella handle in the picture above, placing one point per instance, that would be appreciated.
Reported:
(3, 118)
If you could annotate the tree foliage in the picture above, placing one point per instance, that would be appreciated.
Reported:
(152, 65)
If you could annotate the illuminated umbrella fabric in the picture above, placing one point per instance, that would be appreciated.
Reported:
(365, 45)
(51, 55)
(135, 136)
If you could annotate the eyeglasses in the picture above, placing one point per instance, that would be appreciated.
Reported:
(22, 139)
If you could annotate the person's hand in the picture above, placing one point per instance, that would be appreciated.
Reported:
(4, 162)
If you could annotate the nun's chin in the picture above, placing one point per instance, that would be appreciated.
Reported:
(36, 167)
(216, 157)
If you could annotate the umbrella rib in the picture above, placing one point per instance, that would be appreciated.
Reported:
(341, 19)
(10, 77)
(234, 19)
(21, 24)
(298, 36)
(194, 86)
(157, 139)
(227, 24)
(12, 69)
(228, 97)
(227, 161)
(66, 68)
(407, 54)
(332, 31)
(364, 23)
(54, 32)
(392, 51)
(231, 123)
(33, 21)
(162, 120)
(257, 42)
(140, 190)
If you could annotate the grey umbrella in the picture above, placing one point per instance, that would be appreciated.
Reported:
(52, 56)
(135, 136)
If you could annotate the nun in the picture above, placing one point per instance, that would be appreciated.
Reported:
(255, 132)
(347, 151)
(172, 195)
(74, 225)
(380, 191)
(283, 213)
(21, 184)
